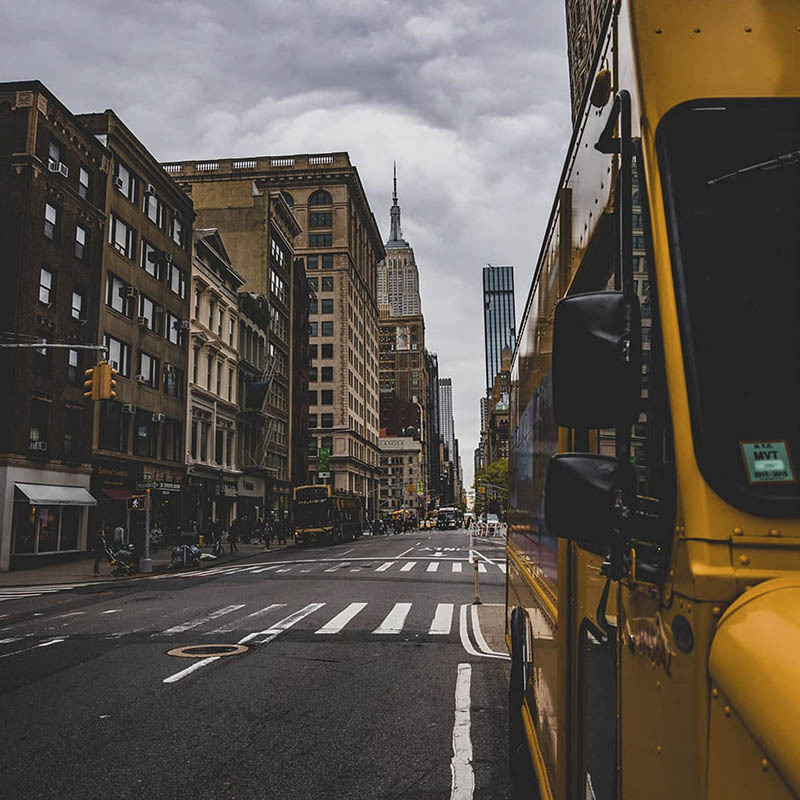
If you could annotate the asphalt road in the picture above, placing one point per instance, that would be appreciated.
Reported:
(363, 678)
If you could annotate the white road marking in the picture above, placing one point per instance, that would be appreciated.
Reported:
(184, 672)
(264, 569)
(481, 567)
(283, 625)
(408, 566)
(404, 552)
(442, 619)
(337, 567)
(480, 641)
(341, 619)
(463, 778)
(27, 649)
(433, 566)
(456, 566)
(395, 619)
(464, 634)
(11, 639)
(284, 570)
(111, 611)
(502, 568)
(70, 614)
(193, 623)
(383, 567)
(234, 625)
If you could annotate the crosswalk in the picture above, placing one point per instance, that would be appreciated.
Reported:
(18, 592)
(380, 618)
(333, 567)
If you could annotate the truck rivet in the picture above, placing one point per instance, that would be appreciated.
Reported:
(764, 764)
(716, 611)
(727, 711)
(748, 29)
(744, 559)
(737, 531)
(715, 693)
(658, 749)
(658, 684)
(697, 30)
(773, 532)
(658, 30)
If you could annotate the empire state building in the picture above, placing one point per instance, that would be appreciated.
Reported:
(398, 278)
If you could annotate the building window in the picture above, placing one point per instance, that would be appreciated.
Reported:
(177, 281)
(220, 316)
(73, 367)
(196, 366)
(211, 306)
(122, 237)
(197, 304)
(173, 380)
(114, 427)
(81, 237)
(230, 384)
(327, 328)
(171, 440)
(320, 220)
(42, 359)
(147, 373)
(77, 302)
(327, 306)
(150, 262)
(151, 315)
(312, 397)
(83, 183)
(312, 421)
(219, 379)
(124, 181)
(231, 329)
(46, 287)
(313, 328)
(119, 295)
(144, 434)
(327, 420)
(313, 308)
(327, 284)
(175, 332)
(312, 284)
(51, 216)
(320, 198)
(40, 416)
(327, 261)
(72, 431)
(312, 262)
(327, 351)
(177, 232)
(313, 351)
(288, 198)
(326, 396)
(119, 355)
(312, 375)
(320, 240)
(327, 374)
(277, 285)
(278, 253)
(154, 210)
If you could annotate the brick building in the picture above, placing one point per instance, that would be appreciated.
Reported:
(52, 200)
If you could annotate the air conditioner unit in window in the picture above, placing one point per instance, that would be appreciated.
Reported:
(184, 325)
(64, 170)
(150, 189)
(142, 379)
(127, 291)
(40, 446)
(53, 165)
(128, 408)
(158, 417)
(118, 183)
(143, 322)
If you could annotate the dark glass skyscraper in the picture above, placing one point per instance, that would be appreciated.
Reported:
(498, 317)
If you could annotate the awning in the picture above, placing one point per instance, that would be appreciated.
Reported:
(118, 494)
(44, 495)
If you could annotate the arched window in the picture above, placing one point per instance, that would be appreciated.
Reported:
(288, 198)
(320, 198)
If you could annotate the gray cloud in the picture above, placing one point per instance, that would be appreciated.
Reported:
(470, 97)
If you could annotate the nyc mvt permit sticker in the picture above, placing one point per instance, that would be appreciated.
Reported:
(768, 462)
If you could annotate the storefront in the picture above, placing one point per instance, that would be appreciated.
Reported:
(250, 502)
(211, 494)
(165, 487)
(44, 515)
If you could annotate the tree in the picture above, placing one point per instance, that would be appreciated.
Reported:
(494, 478)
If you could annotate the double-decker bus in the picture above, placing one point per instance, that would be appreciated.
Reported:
(322, 516)
(653, 589)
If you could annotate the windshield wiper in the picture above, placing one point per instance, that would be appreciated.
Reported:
(785, 160)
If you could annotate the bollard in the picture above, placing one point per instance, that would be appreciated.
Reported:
(477, 600)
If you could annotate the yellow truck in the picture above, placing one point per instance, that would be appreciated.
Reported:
(653, 589)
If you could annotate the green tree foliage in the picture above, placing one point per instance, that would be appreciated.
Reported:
(495, 479)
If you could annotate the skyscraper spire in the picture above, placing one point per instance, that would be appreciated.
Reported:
(396, 234)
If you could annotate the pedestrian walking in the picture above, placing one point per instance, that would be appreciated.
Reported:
(233, 536)
(100, 549)
(119, 537)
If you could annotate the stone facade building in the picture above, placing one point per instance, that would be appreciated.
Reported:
(402, 475)
(585, 19)
(212, 466)
(338, 246)
(138, 437)
(52, 211)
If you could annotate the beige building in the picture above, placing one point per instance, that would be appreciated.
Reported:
(402, 475)
(211, 464)
(339, 247)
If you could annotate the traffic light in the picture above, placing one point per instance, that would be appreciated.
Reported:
(91, 384)
(107, 384)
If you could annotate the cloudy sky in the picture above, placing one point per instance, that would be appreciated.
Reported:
(470, 97)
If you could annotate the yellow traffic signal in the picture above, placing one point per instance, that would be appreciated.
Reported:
(107, 384)
(91, 384)
(482, 490)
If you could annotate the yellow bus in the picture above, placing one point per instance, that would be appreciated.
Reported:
(323, 516)
(653, 590)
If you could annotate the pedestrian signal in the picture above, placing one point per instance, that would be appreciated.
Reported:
(106, 380)
(91, 384)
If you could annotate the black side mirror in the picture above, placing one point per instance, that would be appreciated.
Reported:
(597, 360)
(587, 496)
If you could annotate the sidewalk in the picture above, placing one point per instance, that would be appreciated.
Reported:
(492, 618)
(80, 570)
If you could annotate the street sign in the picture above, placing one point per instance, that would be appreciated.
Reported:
(137, 502)
(323, 474)
(323, 459)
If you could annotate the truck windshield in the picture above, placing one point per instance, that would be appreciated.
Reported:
(312, 514)
(731, 172)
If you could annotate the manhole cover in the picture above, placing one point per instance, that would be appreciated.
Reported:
(206, 650)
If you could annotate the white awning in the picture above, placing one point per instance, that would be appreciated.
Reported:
(40, 494)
